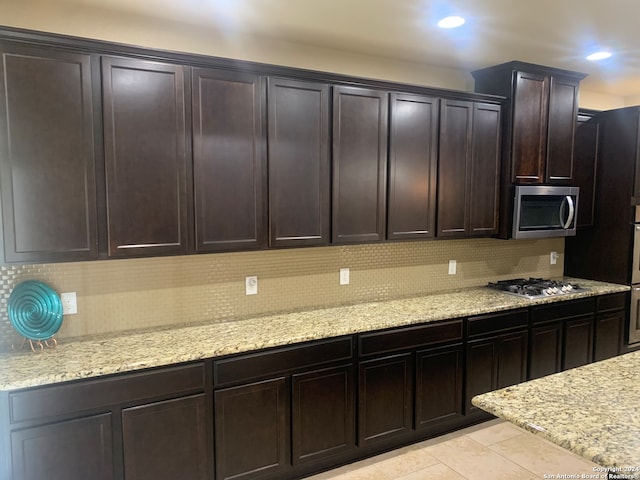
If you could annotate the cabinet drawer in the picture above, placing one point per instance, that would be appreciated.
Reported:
(497, 322)
(277, 361)
(406, 338)
(60, 400)
(562, 310)
(615, 301)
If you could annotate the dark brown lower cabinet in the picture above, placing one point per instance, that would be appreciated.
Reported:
(562, 336)
(385, 398)
(77, 449)
(493, 363)
(323, 417)
(252, 430)
(546, 350)
(578, 342)
(438, 386)
(611, 315)
(166, 440)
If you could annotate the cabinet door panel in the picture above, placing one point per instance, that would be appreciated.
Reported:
(322, 413)
(512, 359)
(453, 164)
(145, 157)
(563, 110)
(585, 167)
(484, 176)
(578, 342)
(385, 403)
(546, 350)
(413, 141)
(481, 371)
(299, 170)
(251, 430)
(529, 130)
(72, 450)
(166, 440)
(359, 164)
(438, 385)
(228, 160)
(47, 170)
(608, 335)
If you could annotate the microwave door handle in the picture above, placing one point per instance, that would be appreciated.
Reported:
(567, 201)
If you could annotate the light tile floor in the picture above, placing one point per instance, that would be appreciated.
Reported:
(494, 450)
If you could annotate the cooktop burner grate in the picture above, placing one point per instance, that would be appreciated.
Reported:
(536, 287)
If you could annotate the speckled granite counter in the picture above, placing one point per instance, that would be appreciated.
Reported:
(590, 410)
(91, 357)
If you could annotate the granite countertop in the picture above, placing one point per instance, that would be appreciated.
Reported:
(130, 351)
(590, 410)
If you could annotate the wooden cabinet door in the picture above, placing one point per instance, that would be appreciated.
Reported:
(481, 371)
(323, 414)
(529, 129)
(413, 141)
(70, 450)
(454, 160)
(563, 109)
(546, 350)
(512, 359)
(585, 167)
(484, 171)
(360, 120)
(47, 171)
(252, 430)
(167, 440)
(385, 403)
(438, 386)
(229, 165)
(299, 168)
(609, 328)
(578, 342)
(145, 157)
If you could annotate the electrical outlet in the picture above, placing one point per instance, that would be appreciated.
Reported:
(452, 267)
(553, 258)
(251, 285)
(344, 276)
(69, 303)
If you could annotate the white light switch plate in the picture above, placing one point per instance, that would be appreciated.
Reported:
(344, 276)
(452, 267)
(251, 285)
(553, 258)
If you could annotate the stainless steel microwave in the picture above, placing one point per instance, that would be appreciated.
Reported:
(544, 211)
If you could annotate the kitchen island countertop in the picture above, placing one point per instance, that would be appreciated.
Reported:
(590, 410)
(135, 350)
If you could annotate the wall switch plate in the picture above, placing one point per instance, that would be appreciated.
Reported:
(553, 258)
(452, 267)
(69, 303)
(344, 276)
(251, 285)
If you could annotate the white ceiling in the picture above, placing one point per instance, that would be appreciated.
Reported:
(557, 33)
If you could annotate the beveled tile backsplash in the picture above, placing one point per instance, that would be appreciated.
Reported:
(120, 295)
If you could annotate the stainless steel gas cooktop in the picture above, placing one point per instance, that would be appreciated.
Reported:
(536, 287)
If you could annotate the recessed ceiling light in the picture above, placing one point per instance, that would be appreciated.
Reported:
(451, 22)
(598, 56)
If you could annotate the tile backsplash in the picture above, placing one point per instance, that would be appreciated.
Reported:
(120, 295)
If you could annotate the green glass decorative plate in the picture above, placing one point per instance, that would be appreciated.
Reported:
(35, 310)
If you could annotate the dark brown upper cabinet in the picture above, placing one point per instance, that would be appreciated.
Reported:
(413, 162)
(587, 150)
(47, 166)
(229, 164)
(468, 169)
(360, 131)
(538, 147)
(299, 168)
(145, 157)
